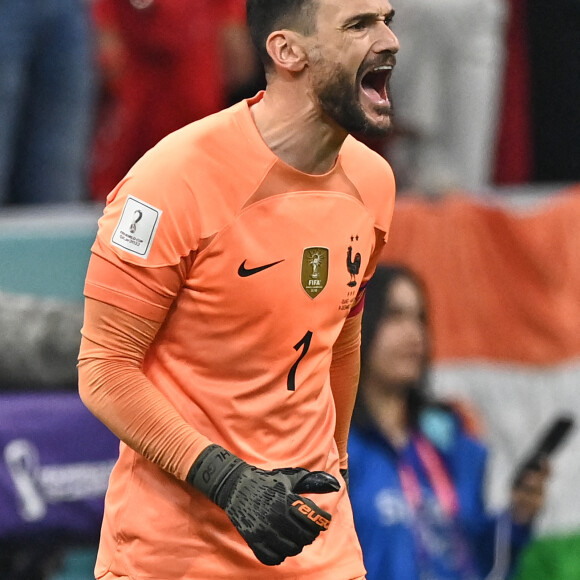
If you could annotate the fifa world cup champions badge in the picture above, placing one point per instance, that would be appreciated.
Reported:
(314, 270)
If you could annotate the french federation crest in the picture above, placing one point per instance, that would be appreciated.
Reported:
(314, 270)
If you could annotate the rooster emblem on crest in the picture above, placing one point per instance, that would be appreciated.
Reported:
(352, 264)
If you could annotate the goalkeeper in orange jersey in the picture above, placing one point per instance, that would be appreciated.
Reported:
(223, 307)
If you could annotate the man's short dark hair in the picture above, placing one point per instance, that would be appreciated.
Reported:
(265, 16)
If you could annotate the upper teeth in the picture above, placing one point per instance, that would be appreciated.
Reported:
(384, 67)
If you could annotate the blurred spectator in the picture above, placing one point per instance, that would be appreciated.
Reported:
(46, 100)
(164, 64)
(39, 343)
(416, 466)
(446, 91)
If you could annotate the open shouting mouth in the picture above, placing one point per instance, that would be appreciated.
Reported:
(375, 84)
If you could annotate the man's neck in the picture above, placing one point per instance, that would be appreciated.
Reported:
(293, 129)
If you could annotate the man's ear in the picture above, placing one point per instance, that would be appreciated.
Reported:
(286, 50)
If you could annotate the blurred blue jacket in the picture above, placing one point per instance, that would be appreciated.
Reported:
(388, 528)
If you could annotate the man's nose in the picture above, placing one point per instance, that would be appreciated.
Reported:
(387, 41)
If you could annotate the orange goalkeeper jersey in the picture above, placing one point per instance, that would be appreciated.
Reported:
(270, 262)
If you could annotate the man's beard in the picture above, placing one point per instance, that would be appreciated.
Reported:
(339, 99)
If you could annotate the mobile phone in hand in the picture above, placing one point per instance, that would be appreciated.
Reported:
(552, 438)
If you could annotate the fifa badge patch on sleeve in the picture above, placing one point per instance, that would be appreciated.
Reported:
(136, 228)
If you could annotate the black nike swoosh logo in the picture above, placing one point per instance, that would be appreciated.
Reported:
(245, 272)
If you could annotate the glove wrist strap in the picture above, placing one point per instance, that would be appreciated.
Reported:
(215, 472)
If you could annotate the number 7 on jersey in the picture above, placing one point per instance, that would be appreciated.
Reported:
(305, 343)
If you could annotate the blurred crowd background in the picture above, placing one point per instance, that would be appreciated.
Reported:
(486, 152)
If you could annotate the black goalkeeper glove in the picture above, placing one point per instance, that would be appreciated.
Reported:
(264, 506)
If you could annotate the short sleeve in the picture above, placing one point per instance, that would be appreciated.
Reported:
(151, 218)
(149, 230)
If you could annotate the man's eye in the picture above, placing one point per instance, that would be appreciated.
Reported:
(358, 26)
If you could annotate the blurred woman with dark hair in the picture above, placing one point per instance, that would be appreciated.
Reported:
(416, 465)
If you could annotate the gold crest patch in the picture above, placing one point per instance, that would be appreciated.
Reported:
(314, 270)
